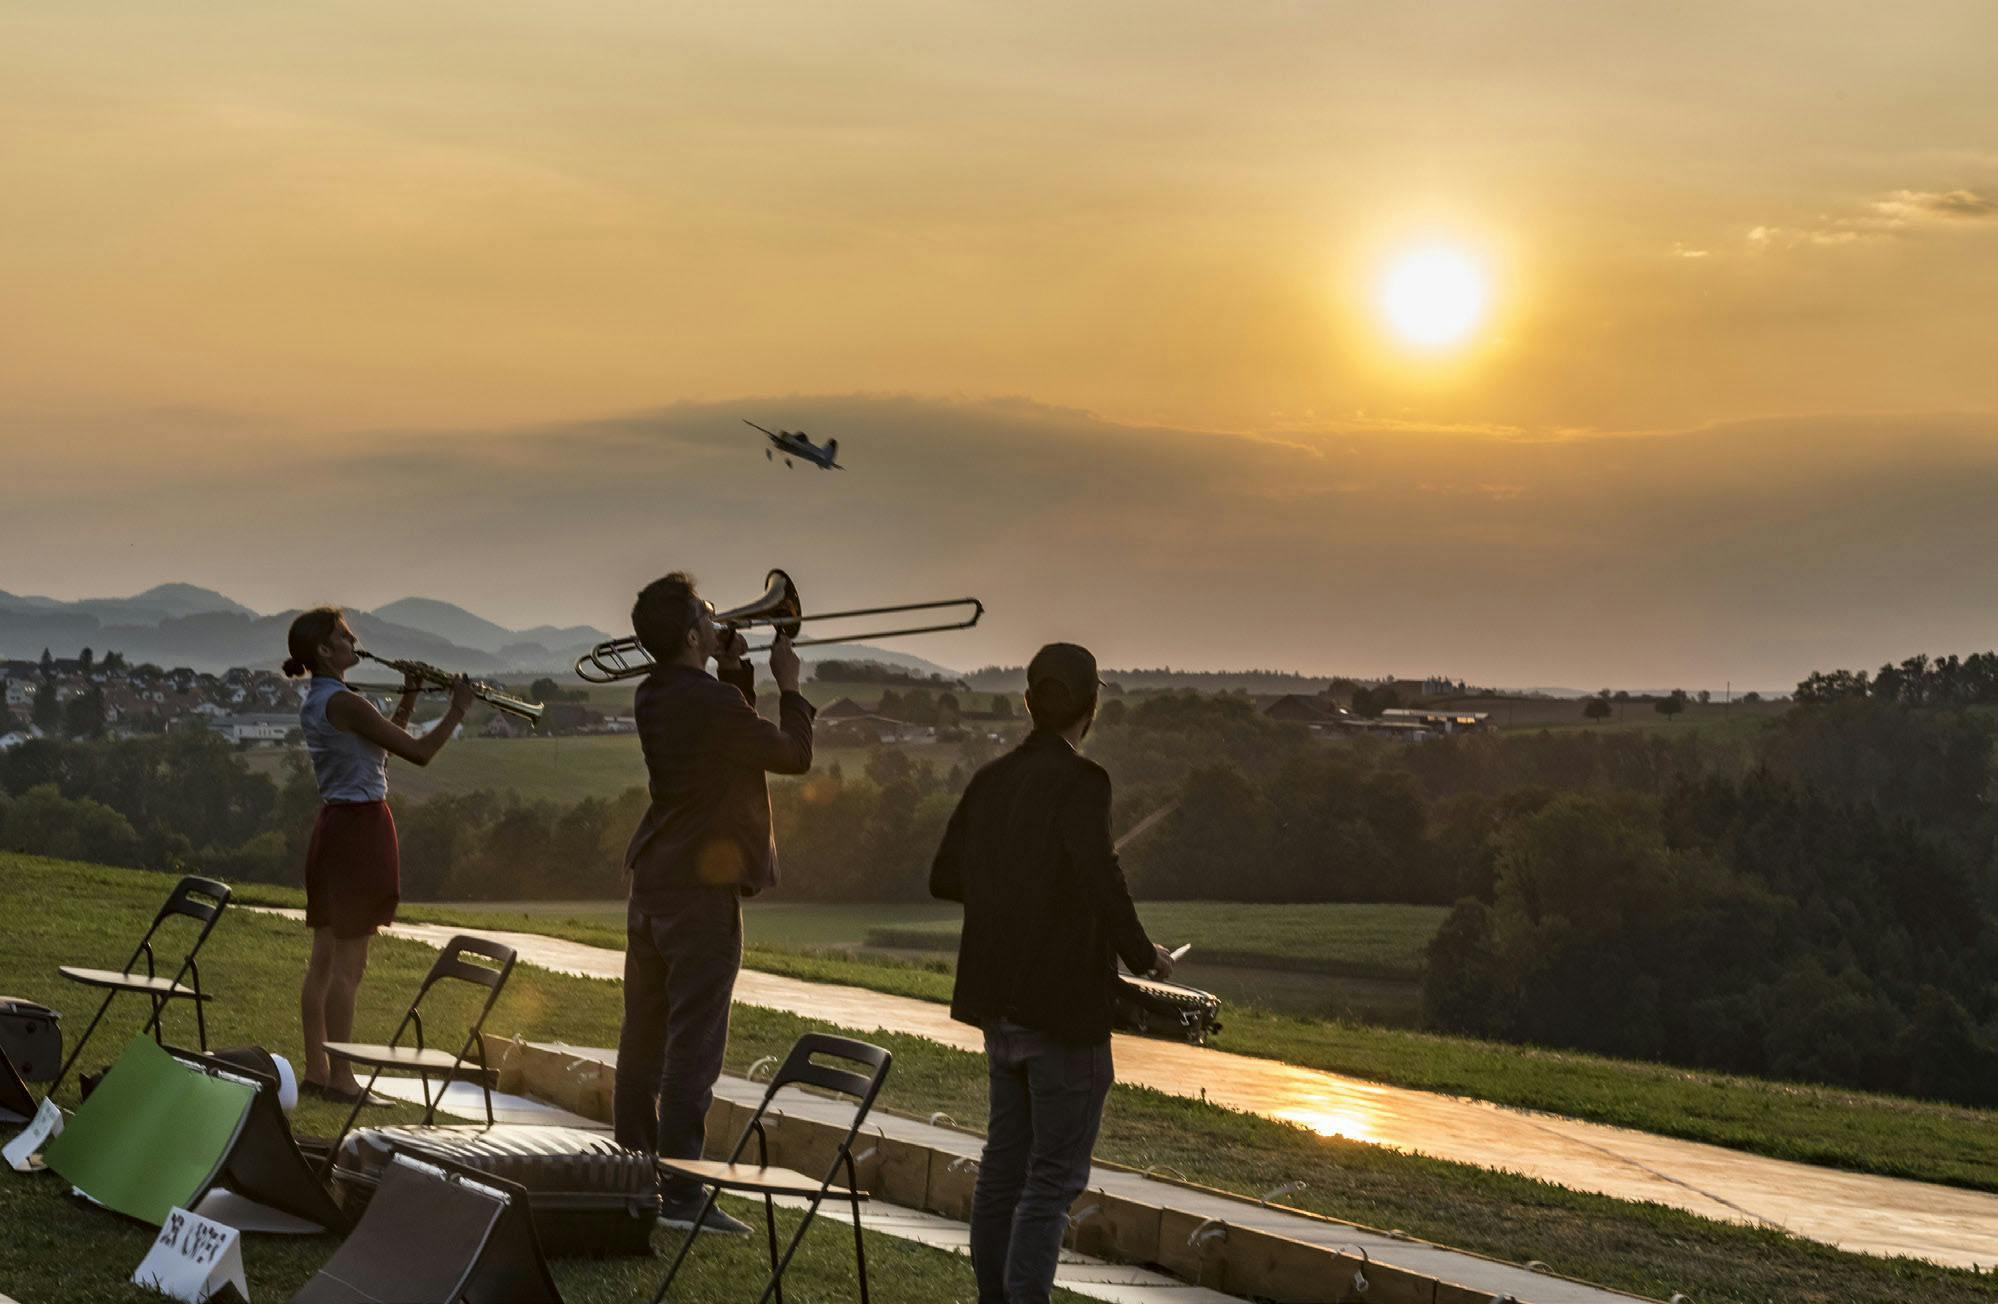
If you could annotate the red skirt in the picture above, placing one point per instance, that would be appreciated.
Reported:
(353, 870)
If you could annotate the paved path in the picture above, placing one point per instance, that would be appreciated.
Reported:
(1875, 1215)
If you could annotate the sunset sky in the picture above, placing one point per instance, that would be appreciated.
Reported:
(351, 301)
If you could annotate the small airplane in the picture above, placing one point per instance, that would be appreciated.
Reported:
(796, 443)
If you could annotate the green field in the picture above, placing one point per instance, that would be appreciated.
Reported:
(780, 925)
(1890, 1135)
(1516, 714)
(564, 769)
(1361, 962)
(569, 768)
(1360, 941)
(57, 1250)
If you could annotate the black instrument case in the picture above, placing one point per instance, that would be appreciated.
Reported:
(1161, 1009)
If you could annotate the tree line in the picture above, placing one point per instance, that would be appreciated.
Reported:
(1824, 914)
(1814, 901)
(1920, 680)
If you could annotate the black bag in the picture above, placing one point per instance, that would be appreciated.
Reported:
(32, 1037)
(1157, 1009)
(587, 1194)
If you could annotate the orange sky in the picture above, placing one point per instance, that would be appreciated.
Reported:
(242, 242)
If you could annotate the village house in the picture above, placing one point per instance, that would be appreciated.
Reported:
(1402, 724)
(1440, 721)
(854, 723)
(1316, 713)
(260, 728)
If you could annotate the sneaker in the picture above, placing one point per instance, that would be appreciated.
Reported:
(682, 1216)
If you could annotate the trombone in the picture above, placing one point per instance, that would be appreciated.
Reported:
(435, 679)
(780, 610)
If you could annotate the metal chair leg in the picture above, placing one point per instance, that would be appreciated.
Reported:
(700, 1219)
(859, 1247)
(200, 1007)
(774, 1288)
(333, 1146)
(770, 1225)
(63, 1072)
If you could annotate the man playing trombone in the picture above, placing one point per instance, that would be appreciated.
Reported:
(704, 843)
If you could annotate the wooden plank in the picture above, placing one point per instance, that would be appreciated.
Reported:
(898, 1171)
(570, 1082)
(1240, 1260)
(1112, 1227)
(1384, 1284)
(1202, 1261)
(951, 1181)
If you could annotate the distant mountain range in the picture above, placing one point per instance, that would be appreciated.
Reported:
(185, 625)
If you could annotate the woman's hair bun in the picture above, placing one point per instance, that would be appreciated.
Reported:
(311, 629)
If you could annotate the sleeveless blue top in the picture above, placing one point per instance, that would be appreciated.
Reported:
(347, 766)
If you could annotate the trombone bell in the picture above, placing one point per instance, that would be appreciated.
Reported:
(781, 611)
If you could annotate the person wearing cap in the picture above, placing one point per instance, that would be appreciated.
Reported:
(1046, 917)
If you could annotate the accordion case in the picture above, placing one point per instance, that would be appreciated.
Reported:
(587, 1194)
(1159, 1009)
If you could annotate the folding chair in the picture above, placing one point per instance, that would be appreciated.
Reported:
(761, 1179)
(423, 1060)
(185, 899)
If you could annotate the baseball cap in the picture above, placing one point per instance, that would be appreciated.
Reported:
(1068, 665)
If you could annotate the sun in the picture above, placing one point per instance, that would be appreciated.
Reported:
(1434, 297)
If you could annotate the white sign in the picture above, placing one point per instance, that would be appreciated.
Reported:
(46, 1123)
(192, 1258)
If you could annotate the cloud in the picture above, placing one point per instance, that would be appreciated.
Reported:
(1907, 207)
(1894, 215)
(1750, 551)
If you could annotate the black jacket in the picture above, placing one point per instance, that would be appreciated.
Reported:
(706, 752)
(1046, 912)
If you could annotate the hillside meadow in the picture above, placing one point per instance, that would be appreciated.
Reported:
(60, 1251)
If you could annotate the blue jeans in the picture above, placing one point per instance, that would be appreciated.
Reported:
(1047, 1101)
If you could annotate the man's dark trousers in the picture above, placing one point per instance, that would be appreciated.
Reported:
(680, 962)
(1047, 1101)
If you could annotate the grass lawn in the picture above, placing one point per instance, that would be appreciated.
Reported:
(1890, 1135)
(57, 1249)
(68, 1253)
